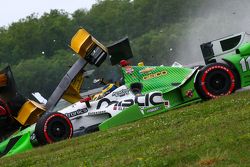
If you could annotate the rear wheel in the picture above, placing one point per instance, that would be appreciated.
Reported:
(53, 127)
(215, 80)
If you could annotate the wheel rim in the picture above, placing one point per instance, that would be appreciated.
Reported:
(57, 128)
(217, 81)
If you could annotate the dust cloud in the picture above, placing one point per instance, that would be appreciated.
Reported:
(214, 19)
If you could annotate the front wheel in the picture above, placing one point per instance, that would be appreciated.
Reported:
(53, 127)
(215, 80)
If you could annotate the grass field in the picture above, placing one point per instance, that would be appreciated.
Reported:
(212, 133)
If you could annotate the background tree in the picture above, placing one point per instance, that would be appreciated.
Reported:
(37, 47)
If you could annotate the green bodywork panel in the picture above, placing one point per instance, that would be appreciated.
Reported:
(158, 78)
(156, 109)
(183, 94)
(133, 113)
(130, 114)
(244, 49)
(241, 62)
(21, 144)
(176, 96)
(175, 84)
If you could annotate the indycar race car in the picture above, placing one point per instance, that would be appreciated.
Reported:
(147, 90)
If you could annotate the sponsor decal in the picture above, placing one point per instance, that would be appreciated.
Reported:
(147, 70)
(129, 69)
(189, 93)
(77, 112)
(153, 109)
(96, 112)
(119, 108)
(121, 93)
(158, 74)
(142, 101)
(167, 104)
(33, 139)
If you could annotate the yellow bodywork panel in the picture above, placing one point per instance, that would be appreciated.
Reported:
(97, 96)
(82, 43)
(30, 113)
(72, 94)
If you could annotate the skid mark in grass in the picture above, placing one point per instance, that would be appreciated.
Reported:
(212, 158)
(209, 161)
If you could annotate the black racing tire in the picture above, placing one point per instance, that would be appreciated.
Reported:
(53, 127)
(215, 80)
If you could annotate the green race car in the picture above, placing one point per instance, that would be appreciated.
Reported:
(147, 90)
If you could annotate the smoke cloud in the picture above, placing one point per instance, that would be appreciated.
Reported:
(214, 19)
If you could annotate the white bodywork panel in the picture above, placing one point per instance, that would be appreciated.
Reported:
(110, 105)
(217, 48)
(39, 97)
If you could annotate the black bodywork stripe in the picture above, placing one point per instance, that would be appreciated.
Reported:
(9, 146)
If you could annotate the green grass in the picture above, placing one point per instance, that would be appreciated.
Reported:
(212, 133)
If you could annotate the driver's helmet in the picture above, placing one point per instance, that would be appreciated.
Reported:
(107, 89)
(124, 63)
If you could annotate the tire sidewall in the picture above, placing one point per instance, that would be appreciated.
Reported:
(201, 86)
(42, 127)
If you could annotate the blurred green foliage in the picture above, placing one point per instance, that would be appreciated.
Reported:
(37, 47)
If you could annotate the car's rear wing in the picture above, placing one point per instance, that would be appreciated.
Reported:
(120, 50)
(88, 47)
(95, 53)
(214, 49)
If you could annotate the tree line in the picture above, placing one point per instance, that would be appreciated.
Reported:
(37, 47)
